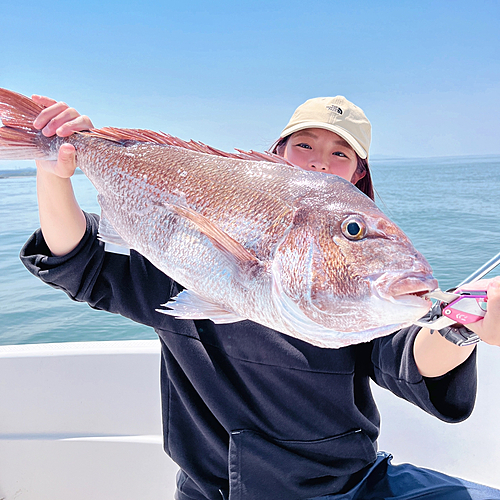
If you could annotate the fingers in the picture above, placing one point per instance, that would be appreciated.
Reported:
(81, 122)
(58, 118)
(494, 283)
(488, 328)
(476, 285)
(51, 118)
(493, 311)
(491, 321)
(65, 165)
(66, 161)
(42, 100)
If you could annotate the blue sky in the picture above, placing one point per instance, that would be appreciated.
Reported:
(230, 74)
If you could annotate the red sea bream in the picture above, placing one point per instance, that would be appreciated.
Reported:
(247, 235)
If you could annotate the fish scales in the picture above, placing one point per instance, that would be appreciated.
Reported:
(215, 193)
(138, 203)
(247, 235)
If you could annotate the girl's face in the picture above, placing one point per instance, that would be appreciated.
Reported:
(324, 151)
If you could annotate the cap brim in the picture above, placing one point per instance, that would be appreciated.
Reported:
(337, 130)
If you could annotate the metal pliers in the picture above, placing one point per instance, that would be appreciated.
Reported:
(456, 307)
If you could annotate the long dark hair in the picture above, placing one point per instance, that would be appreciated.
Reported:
(365, 184)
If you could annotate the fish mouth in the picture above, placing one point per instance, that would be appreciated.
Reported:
(406, 288)
(412, 285)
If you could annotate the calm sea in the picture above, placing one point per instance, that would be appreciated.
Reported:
(447, 206)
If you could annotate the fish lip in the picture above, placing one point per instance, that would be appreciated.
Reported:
(413, 285)
(410, 284)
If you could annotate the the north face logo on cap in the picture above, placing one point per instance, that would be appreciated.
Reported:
(335, 109)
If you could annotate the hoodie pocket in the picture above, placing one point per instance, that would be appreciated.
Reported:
(262, 468)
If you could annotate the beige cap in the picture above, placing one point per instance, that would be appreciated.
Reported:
(336, 114)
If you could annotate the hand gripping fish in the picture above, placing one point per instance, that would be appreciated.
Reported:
(246, 234)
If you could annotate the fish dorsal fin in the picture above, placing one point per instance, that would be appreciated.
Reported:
(243, 259)
(19, 111)
(139, 135)
(190, 305)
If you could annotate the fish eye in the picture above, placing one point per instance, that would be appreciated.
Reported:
(353, 228)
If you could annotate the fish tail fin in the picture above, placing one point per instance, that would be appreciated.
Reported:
(19, 139)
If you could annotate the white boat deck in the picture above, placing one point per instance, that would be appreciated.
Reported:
(82, 421)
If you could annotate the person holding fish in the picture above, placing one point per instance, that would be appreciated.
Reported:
(255, 412)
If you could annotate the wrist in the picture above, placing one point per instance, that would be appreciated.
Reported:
(435, 356)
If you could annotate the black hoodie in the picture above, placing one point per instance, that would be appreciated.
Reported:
(250, 413)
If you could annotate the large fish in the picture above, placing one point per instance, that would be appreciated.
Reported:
(248, 235)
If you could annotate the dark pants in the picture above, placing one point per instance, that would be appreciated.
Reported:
(405, 482)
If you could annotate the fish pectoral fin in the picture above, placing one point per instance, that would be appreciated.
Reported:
(113, 242)
(190, 305)
(234, 251)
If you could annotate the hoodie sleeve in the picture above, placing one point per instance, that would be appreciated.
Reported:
(450, 397)
(124, 284)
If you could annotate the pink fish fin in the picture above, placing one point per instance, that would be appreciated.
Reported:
(124, 134)
(21, 144)
(113, 242)
(141, 135)
(19, 140)
(190, 305)
(18, 111)
(243, 259)
(265, 156)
